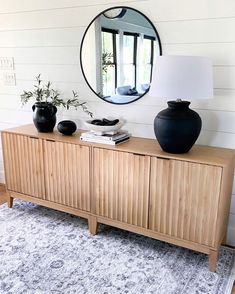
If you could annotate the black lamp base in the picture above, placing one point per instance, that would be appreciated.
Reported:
(177, 127)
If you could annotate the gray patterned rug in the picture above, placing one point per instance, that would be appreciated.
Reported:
(44, 251)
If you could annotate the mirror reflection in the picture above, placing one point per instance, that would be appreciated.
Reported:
(117, 54)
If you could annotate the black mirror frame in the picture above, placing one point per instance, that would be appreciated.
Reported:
(84, 35)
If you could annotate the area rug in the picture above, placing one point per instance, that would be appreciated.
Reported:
(44, 251)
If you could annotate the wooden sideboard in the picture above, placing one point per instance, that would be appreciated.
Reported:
(182, 199)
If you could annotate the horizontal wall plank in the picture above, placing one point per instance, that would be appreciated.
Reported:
(211, 138)
(224, 77)
(8, 125)
(189, 9)
(218, 121)
(26, 5)
(57, 72)
(15, 116)
(63, 37)
(185, 31)
(196, 31)
(220, 103)
(224, 99)
(63, 87)
(217, 139)
(220, 53)
(43, 55)
(206, 137)
(51, 18)
(11, 118)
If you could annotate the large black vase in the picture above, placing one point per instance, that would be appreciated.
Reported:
(177, 127)
(44, 116)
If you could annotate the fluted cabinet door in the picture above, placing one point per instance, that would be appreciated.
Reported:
(121, 190)
(67, 174)
(23, 163)
(184, 199)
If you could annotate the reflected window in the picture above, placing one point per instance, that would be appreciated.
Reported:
(109, 62)
(117, 54)
(129, 58)
(148, 51)
(133, 47)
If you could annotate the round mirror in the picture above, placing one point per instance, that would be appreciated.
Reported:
(117, 54)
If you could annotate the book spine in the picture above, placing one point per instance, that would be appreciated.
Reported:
(95, 140)
(99, 137)
(109, 142)
(105, 138)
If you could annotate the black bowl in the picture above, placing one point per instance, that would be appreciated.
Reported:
(66, 127)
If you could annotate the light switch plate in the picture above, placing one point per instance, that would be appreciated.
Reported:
(6, 63)
(9, 79)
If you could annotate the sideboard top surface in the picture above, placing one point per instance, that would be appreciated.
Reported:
(199, 153)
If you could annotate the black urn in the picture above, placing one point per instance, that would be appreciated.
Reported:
(44, 116)
(177, 127)
(66, 127)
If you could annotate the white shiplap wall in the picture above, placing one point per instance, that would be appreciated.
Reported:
(44, 37)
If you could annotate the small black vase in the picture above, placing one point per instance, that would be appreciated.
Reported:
(44, 116)
(177, 127)
(66, 127)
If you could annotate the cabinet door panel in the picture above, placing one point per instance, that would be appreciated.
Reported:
(160, 203)
(121, 189)
(23, 162)
(184, 199)
(67, 172)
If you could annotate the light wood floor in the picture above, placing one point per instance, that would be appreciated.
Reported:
(3, 199)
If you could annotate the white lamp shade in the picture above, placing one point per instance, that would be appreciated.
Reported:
(182, 77)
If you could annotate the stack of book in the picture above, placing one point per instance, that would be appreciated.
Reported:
(111, 138)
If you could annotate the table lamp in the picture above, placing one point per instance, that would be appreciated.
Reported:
(180, 77)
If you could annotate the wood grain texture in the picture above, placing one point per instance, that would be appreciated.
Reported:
(24, 168)
(199, 154)
(67, 174)
(213, 257)
(225, 201)
(202, 28)
(184, 200)
(3, 194)
(178, 198)
(121, 186)
(50, 204)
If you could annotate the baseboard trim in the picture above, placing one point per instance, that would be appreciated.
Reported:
(228, 246)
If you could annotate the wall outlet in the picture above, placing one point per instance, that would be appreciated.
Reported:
(9, 79)
(6, 63)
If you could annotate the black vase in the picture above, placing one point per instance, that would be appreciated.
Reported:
(66, 127)
(177, 127)
(44, 116)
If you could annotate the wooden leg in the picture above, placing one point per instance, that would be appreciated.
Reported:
(224, 239)
(93, 225)
(213, 256)
(10, 201)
